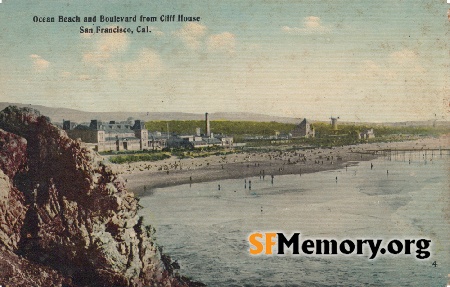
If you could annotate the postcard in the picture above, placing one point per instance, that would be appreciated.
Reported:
(224, 143)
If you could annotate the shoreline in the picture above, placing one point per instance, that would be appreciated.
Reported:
(142, 177)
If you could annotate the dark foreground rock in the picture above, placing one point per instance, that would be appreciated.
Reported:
(65, 218)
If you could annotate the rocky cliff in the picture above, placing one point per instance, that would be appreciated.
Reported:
(65, 218)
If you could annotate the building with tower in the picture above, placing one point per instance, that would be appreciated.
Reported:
(303, 130)
(112, 135)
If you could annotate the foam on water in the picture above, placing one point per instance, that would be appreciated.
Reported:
(206, 229)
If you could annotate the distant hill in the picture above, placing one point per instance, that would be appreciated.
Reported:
(58, 114)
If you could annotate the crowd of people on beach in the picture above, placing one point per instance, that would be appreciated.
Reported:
(262, 163)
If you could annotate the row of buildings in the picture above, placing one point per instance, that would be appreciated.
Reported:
(133, 135)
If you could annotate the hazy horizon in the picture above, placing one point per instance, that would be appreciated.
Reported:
(165, 116)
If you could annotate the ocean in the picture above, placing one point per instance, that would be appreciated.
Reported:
(403, 196)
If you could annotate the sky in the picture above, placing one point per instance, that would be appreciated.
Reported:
(361, 60)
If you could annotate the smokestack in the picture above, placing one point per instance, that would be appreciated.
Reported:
(208, 126)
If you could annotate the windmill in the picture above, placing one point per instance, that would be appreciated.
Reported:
(334, 123)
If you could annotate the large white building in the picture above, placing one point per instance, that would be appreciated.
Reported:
(110, 135)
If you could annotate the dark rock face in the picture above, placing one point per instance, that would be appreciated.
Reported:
(12, 201)
(17, 271)
(62, 209)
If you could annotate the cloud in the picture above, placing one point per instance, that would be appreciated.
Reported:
(192, 34)
(312, 22)
(65, 74)
(195, 36)
(403, 56)
(311, 25)
(106, 60)
(407, 60)
(222, 42)
(398, 66)
(39, 63)
(146, 65)
(105, 47)
(112, 43)
(156, 31)
(85, 77)
(373, 70)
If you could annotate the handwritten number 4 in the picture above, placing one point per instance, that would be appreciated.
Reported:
(434, 264)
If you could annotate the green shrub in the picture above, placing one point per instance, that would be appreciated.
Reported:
(139, 157)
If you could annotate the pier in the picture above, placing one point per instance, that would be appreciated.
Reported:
(440, 151)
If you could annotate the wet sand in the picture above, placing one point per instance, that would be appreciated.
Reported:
(142, 177)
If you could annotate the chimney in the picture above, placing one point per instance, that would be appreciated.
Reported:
(208, 126)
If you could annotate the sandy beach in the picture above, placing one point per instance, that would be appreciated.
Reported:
(142, 177)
